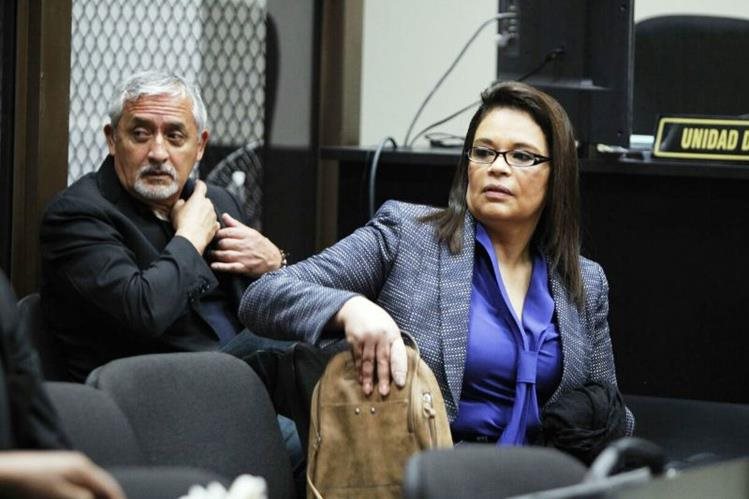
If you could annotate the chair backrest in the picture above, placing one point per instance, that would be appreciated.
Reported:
(94, 424)
(97, 427)
(207, 410)
(692, 429)
(33, 326)
(486, 471)
(689, 65)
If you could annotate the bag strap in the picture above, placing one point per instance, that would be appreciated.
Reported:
(414, 374)
(407, 335)
(313, 488)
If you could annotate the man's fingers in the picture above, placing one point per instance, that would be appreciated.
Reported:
(229, 244)
(230, 221)
(200, 189)
(383, 367)
(367, 367)
(227, 256)
(235, 232)
(398, 362)
(228, 267)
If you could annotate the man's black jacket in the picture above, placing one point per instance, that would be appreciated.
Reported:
(116, 282)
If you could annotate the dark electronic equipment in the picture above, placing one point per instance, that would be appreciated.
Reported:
(591, 42)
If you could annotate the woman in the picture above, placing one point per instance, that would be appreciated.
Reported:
(506, 312)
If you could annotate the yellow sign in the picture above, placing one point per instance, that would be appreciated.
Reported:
(723, 139)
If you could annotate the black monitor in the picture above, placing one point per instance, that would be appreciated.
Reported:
(589, 71)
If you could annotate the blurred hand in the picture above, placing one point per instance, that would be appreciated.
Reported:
(243, 250)
(375, 339)
(54, 475)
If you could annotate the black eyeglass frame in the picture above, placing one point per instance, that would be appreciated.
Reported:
(537, 158)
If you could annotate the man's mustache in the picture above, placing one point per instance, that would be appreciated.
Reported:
(158, 169)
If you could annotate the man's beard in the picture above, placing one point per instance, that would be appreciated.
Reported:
(159, 191)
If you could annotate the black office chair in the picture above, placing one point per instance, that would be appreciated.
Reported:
(205, 410)
(692, 431)
(689, 65)
(479, 471)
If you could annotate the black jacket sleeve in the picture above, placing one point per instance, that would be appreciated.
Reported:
(104, 258)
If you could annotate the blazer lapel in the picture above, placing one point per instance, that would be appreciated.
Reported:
(138, 214)
(455, 281)
(570, 330)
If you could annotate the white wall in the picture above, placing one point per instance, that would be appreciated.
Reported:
(292, 116)
(409, 44)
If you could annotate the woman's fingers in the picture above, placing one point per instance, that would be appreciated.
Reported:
(375, 343)
(367, 366)
(383, 366)
(390, 361)
(398, 361)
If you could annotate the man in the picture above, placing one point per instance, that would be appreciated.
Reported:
(137, 258)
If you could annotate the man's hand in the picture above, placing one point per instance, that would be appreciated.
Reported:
(374, 337)
(54, 475)
(195, 219)
(243, 250)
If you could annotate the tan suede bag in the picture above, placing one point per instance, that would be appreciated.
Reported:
(359, 446)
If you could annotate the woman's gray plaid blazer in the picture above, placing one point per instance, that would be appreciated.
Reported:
(396, 261)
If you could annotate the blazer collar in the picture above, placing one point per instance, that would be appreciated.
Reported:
(111, 189)
(109, 183)
(455, 273)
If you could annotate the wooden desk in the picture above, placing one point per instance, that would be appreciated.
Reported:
(673, 238)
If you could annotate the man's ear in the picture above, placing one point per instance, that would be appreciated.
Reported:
(201, 145)
(109, 133)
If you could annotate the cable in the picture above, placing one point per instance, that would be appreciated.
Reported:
(373, 171)
(497, 17)
(444, 120)
(550, 56)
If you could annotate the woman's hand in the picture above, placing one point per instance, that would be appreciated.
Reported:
(374, 338)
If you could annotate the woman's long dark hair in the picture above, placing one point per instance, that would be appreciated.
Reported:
(558, 230)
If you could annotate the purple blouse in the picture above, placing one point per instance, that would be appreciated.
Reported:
(511, 364)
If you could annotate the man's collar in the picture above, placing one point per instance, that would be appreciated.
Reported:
(109, 183)
(112, 190)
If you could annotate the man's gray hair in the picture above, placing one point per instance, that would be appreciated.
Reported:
(152, 83)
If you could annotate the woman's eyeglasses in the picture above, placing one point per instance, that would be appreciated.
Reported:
(514, 157)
